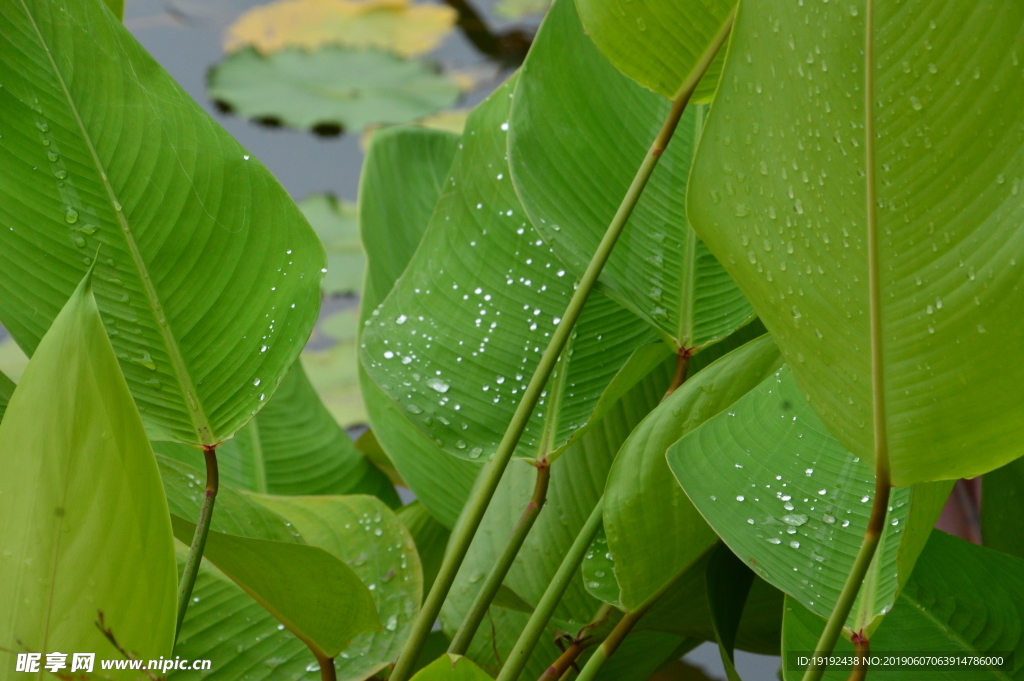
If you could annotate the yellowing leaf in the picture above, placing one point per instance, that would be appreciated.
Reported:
(395, 25)
(84, 526)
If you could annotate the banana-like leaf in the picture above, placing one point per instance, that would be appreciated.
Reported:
(961, 599)
(793, 503)
(1002, 509)
(7, 387)
(244, 641)
(579, 130)
(779, 190)
(313, 594)
(451, 668)
(293, 446)
(653, 530)
(370, 538)
(659, 43)
(332, 88)
(402, 179)
(207, 276)
(577, 482)
(431, 539)
(84, 528)
(598, 570)
(457, 339)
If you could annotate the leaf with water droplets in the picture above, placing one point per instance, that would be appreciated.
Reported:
(456, 341)
(571, 185)
(203, 253)
(946, 148)
(801, 542)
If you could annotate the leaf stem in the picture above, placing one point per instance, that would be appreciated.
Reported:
(552, 595)
(862, 648)
(327, 670)
(463, 534)
(883, 481)
(622, 629)
(567, 660)
(195, 552)
(682, 367)
(464, 636)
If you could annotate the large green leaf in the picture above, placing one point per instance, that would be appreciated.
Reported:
(207, 276)
(312, 593)
(332, 87)
(577, 482)
(243, 641)
(579, 130)
(793, 503)
(83, 520)
(778, 193)
(458, 337)
(293, 446)
(659, 43)
(370, 538)
(402, 179)
(653, 530)
(961, 599)
(1002, 509)
(451, 668)
(336, 224)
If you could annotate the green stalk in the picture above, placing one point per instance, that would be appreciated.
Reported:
(622, 629)
(552, 595)
(195, 552)
(463, 535)
(477, 611)
(883, 483)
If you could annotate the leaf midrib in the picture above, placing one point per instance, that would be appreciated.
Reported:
(200, 423)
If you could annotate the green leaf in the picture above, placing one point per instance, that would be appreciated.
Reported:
(207, 276)
(598, 570)
(787, 215)
(791, 502)
(367, 444)
(658, 43)
(451, 668)
(293, 446)
(83, 519)
(1002, 509)
(402, 179)
(961, 598)
(577, 482)
(653, 530)
(7, 387)
(728, 583)
(337, 226)
(313, 594)
(579, 129)
(431, 539)
(457, 339)
(244, 641)
(332, 87)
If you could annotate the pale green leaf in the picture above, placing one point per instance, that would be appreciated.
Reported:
(207, 276)
(579, 131)
(402, 178)
(791, 502)
(659, 43)
(786, 213)
(961, 599)
(336, 224)
(293, 446)
(431, 539)
(330, 88)
(457, 339)
(653, 530)
(451, 668)
(83, 520)
(6, 390)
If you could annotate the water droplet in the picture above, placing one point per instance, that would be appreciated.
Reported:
(774, 540)
(828, 519)
(401, 319)
(794, 519)
(392, 623)
(438, 385)
(739, 497)
(255, 381)
(916, 103)
(71, 216)
(795, 544)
